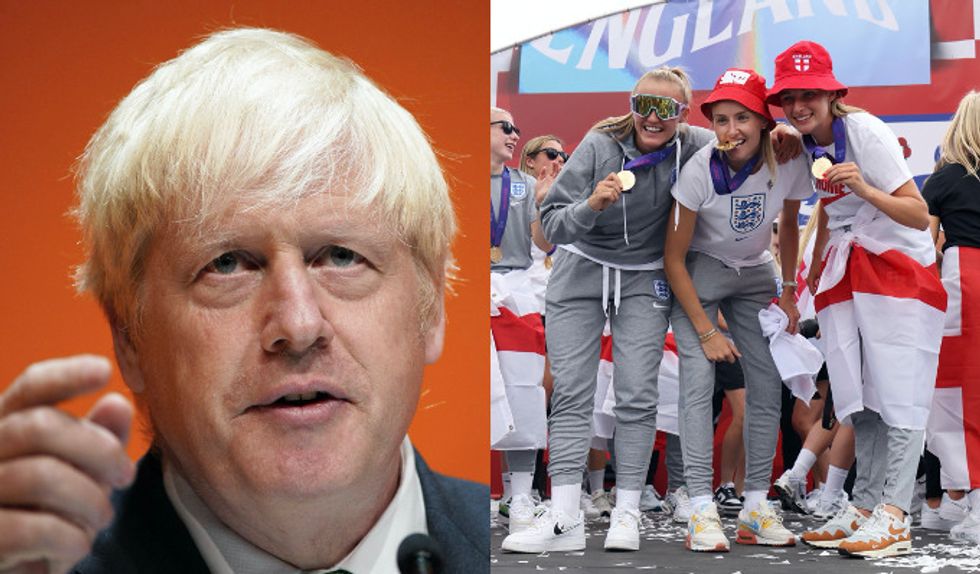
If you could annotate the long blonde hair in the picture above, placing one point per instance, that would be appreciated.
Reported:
(961, 144)
(621, 126)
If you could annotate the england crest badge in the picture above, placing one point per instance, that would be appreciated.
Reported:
(748, 212)
(661, 289)
(518, 190)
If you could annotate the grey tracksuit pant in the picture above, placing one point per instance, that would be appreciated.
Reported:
(887, 459)
(574, 330)
(741, 294)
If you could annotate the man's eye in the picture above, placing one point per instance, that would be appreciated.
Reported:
(224, 264)
(341, 256)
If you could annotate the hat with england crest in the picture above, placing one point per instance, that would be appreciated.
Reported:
(805, 65)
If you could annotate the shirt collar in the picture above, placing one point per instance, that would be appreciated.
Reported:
(225, 552)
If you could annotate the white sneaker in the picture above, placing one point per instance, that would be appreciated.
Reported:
(650, 500)
(601, 502)
(553, 531)
(881, 536)
(792, 492)
(930, 519)
(522, 513)
(969, 529)
(624, 530)
(835, 530)
(813, 498)
(954, 510)
(678, 503)
(762, 525)
(825, 509)
(704, 531)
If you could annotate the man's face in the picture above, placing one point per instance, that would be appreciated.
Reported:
(281, 355)
(502, 145)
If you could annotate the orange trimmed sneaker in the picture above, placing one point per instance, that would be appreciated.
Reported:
(883, 535)
(761, 525)
(830, 535)
(704, 531)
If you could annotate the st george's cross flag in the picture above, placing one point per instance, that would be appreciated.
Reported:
(881, 306)
(604, 416)
(953, 432)
(518, 418)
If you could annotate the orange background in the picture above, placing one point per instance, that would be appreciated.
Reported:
(65, 64)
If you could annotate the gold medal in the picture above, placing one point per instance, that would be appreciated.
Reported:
(626, 179)
(496, 255)
(820, 167)
(548, 262)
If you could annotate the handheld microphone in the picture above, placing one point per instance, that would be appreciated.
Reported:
(419, 554)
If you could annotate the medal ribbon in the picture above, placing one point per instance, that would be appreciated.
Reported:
(725, 184)
(497, 225)
(652, 158)
(840, 143)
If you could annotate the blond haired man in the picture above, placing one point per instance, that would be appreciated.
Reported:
(268, 234)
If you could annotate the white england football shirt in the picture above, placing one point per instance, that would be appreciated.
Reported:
(874, 148)
(736, 228)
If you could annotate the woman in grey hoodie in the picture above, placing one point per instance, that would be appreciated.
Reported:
(610, 264)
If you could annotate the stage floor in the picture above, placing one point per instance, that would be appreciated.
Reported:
(662, 550)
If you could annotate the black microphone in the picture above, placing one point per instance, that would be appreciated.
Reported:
(419, 554)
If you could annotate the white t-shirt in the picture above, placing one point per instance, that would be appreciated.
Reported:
(873, 146)
(737, 228)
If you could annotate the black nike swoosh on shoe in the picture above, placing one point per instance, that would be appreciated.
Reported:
(558, 530)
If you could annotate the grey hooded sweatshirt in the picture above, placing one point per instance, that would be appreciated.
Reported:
(566, 217)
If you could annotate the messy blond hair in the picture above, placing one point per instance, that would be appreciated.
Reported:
(260, 116)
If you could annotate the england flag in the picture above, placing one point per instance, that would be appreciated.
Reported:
(881, 307)
(518, 420)
(953, 432)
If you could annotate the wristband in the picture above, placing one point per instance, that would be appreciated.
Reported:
(709, 334)
(792, 284)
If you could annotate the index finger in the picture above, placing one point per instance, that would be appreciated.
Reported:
(55, 380)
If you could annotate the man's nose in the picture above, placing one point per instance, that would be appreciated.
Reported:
(295, 321)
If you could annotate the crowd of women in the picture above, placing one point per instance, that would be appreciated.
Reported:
(653, 225)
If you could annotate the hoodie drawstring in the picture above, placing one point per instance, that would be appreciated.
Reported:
(617, 290)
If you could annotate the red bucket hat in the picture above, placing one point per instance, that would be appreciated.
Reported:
(743, 86)
(805, 65)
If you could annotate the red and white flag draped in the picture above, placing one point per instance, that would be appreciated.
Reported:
(518, 419)
(953, 432)
(881, 307)
(604, 415)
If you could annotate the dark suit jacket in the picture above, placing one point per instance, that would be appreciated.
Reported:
(148, 537)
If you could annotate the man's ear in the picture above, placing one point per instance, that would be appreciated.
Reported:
(435, 335)
(127, 358)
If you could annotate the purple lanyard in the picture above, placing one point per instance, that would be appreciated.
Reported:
(652, 158)
(497, 225)
(725, 184)
(840, 143)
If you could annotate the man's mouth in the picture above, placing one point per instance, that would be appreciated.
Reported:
(302, 399)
